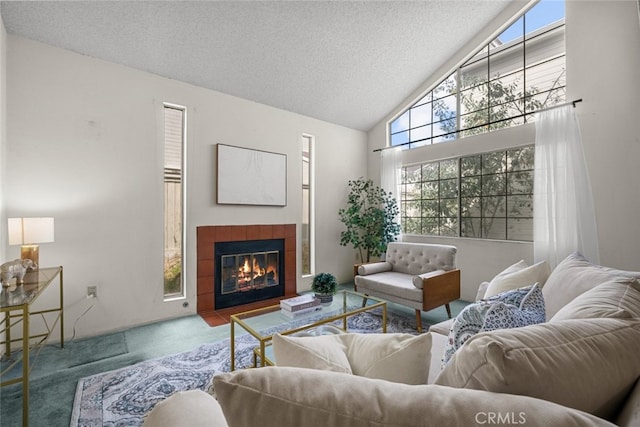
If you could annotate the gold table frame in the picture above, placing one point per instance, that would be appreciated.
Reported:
(338, 310)
(15, 303)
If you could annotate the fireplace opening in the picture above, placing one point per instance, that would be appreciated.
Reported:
(248, 271)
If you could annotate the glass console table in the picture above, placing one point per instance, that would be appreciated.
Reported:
(16, 303)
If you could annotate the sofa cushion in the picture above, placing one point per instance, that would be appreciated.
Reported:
(618, 298)
(442, 328)
(368, 355)
(390, 283)
(510, 279)
(186, 408)
(574, 276)
(629, 416)
(438, 343)
(284, 396)
(420, 258)
(586, 364)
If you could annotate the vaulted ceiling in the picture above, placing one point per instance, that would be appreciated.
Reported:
(345, 62)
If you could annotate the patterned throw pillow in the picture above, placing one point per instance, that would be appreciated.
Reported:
(502, 315)
(466, 324)
(509, 309)
(513, 297)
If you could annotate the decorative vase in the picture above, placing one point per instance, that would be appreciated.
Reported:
(325, 298)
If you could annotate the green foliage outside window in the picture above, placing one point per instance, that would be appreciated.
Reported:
(172, 276)
(500, 102)
(501, 85)
(486, 196)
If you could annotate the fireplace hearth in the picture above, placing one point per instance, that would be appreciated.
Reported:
(208, 267)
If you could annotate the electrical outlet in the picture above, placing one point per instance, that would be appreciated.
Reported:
(92, 292)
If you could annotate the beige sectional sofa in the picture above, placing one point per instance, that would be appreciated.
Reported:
(579, 368)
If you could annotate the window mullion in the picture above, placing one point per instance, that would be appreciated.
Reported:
(459, 197)
(458, 100)
(524, 65)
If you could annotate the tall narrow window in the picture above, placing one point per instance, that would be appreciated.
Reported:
(174, 150)
(307, 206)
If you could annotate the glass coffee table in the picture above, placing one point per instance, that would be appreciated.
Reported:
(345, 304)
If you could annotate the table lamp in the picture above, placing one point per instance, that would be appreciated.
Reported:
(28, 232)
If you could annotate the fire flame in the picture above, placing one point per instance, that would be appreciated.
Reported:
(247, 272)
(250, 274)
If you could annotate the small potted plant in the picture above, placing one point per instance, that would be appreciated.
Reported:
(324, 285)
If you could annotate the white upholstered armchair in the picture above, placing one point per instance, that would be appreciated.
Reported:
(421, 276)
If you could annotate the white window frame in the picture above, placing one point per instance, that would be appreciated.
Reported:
(311, 205)
(183, 203)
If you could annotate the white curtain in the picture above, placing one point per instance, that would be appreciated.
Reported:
(390, 170)
(564, 215)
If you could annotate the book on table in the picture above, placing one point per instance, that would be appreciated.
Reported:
(298, 303)
(299, 313)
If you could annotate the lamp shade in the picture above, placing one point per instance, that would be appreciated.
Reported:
(26, 231)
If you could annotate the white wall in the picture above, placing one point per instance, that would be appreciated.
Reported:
(610, 121)
(3, 134)
(609, 118)
(85, 146)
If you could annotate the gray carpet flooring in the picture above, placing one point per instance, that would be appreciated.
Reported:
(55, 375)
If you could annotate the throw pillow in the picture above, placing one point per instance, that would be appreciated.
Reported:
(282, 396)
(505, 316)
(520, 265)
(368, 355)
(618, 299)
(513, 297)
(536, 273)
(375, 267)
(465, 325)
(482, 289)
(326, 352)
(418, 281)
(511, 309)
(186, 408)
(574, 276)
(586, 364)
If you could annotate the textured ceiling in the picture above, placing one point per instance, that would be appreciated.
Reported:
(344, 62)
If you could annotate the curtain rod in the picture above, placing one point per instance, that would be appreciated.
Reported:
(574, 102)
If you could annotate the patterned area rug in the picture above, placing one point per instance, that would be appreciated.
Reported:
(123, 397)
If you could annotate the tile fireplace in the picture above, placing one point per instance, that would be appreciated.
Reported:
(242, 264)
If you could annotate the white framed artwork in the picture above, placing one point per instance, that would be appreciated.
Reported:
(250, 177)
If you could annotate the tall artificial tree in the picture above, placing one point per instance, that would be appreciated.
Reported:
(369, 218)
